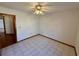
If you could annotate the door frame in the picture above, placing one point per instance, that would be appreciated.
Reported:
(4, 26)
(14, 24)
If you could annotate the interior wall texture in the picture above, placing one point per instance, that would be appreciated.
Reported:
(77, 42)
(61, 26)
(9, 24)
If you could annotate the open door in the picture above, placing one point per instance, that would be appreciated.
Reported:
(2, 31)
(9, 30)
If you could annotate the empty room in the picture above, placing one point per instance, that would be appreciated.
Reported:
(39, 28)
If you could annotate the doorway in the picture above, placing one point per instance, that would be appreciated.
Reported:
(7, 30)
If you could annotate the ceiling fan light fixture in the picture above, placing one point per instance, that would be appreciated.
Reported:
(38, 7)
(38, 10)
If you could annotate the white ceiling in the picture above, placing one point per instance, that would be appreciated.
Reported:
(53, 6)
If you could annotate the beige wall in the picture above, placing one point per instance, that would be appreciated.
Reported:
(26, 23)
(61, 26)
(9, 24)
(77, 42)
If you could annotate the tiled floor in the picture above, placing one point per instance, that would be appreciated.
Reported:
(38, 46)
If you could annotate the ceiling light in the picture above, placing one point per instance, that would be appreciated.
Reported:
(38, 9)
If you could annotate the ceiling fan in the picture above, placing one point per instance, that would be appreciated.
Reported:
(39, 8)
